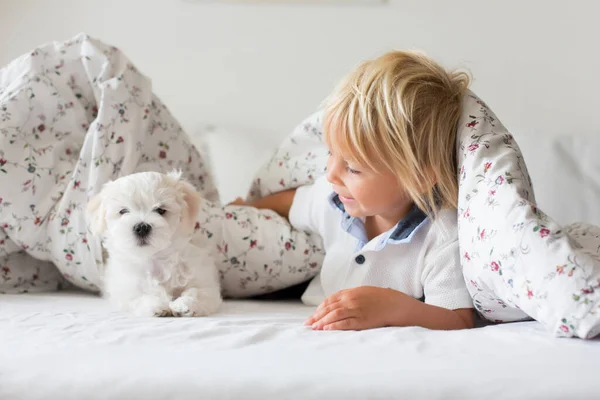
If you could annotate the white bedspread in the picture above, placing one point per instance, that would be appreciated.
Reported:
(73, 346)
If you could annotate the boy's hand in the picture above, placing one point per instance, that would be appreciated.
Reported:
(238, 202)
(367, 307)
(364, 307)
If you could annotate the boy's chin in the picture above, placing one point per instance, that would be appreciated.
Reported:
(355, 212)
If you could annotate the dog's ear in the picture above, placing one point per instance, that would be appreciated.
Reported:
(96, 212)
(192, 200)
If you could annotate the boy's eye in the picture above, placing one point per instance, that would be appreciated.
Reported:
(160, 211)
(352, 171)
(123, 211)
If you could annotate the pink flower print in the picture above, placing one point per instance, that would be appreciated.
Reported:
(64, 222)
(6, 270)
(306, 252)
(76, 185)
(228, 215)
(473, 147)
(2, 162)
(68, 151)
(267, 217)
(1, 199)
(253, 244)
(544, 232)
(69, 212)
(41, 127)
(280, 163)
(529, 293)
(282, 182)
(564, 328)
(197, 226)
(37, 221)
(482, 234)
(560, 269)
(288, 245)
(500, 180)
(589, 290)
(313, 265)
(492, 192)
(84, 240)
(495, 267)
(486, 166)
(162, 154)
(472, 124)
(5, 225)
(571, 272)
(120, 139)
(467, 213)
(69, 257)
(467, 256)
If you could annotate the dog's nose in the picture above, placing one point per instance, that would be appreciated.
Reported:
(142, 229)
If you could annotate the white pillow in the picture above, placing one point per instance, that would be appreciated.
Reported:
(565, 170)
(235, 157)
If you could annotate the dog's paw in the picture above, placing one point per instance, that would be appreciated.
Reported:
(150, 306)
(196, 302)
(183, 307)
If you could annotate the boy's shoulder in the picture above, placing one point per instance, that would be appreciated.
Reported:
(444, 228)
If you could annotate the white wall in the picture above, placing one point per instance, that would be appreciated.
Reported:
(262, 68)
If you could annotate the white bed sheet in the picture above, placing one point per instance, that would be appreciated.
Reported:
(73, 346)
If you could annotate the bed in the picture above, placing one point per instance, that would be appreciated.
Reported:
(71, 345)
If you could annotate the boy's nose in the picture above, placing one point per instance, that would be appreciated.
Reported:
(332, 173)
(331, 176)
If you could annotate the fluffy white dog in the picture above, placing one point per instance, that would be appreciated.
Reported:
(153, 269)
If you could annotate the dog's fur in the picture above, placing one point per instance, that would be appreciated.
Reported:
(153, 269)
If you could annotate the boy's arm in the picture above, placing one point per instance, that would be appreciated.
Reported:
(307, 207)
(280, 202)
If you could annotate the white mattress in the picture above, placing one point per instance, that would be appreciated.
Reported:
(73, 346)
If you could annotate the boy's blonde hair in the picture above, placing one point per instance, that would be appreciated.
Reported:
(400, 112)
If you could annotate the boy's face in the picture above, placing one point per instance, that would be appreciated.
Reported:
(366, 192)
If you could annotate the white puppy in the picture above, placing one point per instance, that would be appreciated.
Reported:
(147, 221)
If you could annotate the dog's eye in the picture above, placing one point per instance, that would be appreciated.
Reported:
(160, 211)
(123, 211)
